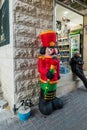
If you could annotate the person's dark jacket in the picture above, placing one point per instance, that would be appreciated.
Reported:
(76, 64)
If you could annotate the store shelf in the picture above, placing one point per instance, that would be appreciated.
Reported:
(64, 47)
(63, 44)
(64, 50)
(64, 56)
(61, 38)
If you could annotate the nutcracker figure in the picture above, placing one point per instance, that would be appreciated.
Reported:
(49, 69)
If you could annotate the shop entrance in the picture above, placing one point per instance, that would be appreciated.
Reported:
(69, 28)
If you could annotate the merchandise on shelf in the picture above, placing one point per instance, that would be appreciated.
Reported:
(64, 49)
(63, 30)
(75, 42)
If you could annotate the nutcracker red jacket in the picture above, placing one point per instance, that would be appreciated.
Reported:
(44, 64)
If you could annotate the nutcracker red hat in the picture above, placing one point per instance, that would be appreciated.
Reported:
(48, 38)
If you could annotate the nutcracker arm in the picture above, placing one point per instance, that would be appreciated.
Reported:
(41, 66)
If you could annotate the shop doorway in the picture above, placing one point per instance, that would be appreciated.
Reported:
(69, 28)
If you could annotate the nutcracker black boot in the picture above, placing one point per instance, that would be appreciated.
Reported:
(45, 106)
(57, 103)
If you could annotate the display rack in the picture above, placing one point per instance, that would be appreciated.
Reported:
(63, 42)
(64, 49)
(75, 42)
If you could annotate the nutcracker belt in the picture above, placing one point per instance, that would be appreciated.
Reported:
(51, 82)
(48, 96)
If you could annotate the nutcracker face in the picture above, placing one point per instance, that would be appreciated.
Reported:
(51, 51)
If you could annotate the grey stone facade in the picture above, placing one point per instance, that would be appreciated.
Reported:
(31, 17)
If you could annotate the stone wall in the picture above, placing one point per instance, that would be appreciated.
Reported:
(30, 18)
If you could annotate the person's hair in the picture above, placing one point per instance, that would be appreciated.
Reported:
(42, 50)
(76, 54)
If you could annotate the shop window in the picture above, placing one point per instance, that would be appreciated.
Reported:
(4, 22)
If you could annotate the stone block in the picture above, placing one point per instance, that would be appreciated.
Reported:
(31, 10)
(20, 53)
(49, 4)
(23, 30)
(17, 5)
(25, 42)
(43, 24)
(25, 63)
(21, 64)
(36, 73)
(36, 52)
(23, 53)
(38, 31)
(29, 73)
(35, 81)
(43, 4)
(24, 85)
(36, 3)
(26, 1)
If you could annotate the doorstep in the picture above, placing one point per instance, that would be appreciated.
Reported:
(66, 84)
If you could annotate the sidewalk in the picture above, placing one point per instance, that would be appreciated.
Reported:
(73, 116)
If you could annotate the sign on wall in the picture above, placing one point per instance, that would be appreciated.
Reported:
(4, 22)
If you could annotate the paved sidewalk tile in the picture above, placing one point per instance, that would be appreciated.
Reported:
(73, 116)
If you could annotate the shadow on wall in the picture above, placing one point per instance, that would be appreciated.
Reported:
(1, 93)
